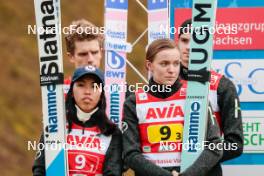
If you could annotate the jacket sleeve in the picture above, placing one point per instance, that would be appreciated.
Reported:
(133, 157)
(38, 168)
(209, 157)
(113, 161)
(229, 105)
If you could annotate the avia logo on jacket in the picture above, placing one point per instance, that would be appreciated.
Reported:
(91, 142)
(171, 111)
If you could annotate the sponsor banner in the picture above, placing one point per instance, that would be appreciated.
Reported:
(122, 47)
(157, 18)
(252, 113)
(51, 76)
(117, 4)
(247, 75)
(239, 170)
(253, 125)
(116, 48)
(241, 32)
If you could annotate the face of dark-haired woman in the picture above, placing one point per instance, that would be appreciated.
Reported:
(86, 93)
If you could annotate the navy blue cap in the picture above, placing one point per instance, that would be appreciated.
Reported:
(87, 70)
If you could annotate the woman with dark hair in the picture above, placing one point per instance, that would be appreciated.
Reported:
(152, 142)
(94, 142)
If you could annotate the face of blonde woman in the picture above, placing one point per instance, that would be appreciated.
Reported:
(86, 93)
(165, 67)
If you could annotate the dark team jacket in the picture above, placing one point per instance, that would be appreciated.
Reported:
(133, 152)
(112, 165)
(230, 120)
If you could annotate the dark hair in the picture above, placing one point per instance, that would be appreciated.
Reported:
(106, 126)
(185, 27)
(158, 45)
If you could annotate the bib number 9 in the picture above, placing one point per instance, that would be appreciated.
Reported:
(166, 133)
(80, 161)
